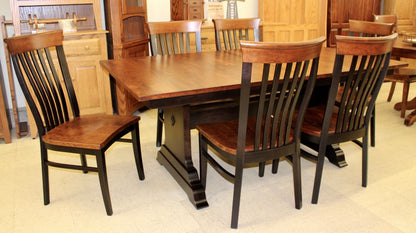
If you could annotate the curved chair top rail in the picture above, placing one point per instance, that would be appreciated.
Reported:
(280, 52)
(231, 24)
(21, 44)
(371, 28)
(174, 26)
(352, 45)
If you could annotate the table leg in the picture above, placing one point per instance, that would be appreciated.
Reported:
(334, 153)
(410, 119)
(176, 155)
(411, 104)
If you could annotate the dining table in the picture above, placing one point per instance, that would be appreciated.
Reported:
(402, 49)
(191, 89)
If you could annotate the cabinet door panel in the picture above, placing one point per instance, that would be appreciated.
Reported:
(340, 11)
(90, 85)
(289, 20)
(405, 11)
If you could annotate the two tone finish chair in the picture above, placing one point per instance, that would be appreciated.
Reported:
(347, 118)
(263, 130)
(371, 29)
(42, 71)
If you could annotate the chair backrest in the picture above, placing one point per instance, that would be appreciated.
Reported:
(41, 69)
(369, 29)
(387, 19)
(360, 67)
(174, 37)
(229, 32)
(283, 69)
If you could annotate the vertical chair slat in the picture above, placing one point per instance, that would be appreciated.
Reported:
(67, 80)
(29, 69)
(271, 107)
(35, 57)
(62, 106)
(175, 43)
(261, 105)
(49, 87)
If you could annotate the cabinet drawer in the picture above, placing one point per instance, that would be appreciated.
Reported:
(195, 10)
(195, 3)
(83, 47)
(136, 51)
(195, 16)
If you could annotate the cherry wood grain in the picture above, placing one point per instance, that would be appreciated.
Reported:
(194, 74)
(89, 131)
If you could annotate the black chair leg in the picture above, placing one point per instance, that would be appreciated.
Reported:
(203, 163)
(262, 165)
(237, 193)
(83, 162)
(364, 162)
(318, 173)
(102, 175)
(297, 181)
(373, 128)
(275, 166)
(159, 128)
(135, 136)
(45, 174)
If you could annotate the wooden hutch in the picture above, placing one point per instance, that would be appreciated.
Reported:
(84, 47)
(126, 23)
(186, 9)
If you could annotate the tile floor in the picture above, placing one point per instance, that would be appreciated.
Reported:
(158, 204)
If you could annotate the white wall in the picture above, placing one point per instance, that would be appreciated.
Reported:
(157, 10)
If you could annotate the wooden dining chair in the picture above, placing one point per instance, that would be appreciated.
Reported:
(229, 32)
(387, 19)
(263, 130)
(42, 71)
(170, 38)
(360, 66)
(370, 29)
(401, 75)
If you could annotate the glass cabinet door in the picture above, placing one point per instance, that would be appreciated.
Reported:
(133, 6)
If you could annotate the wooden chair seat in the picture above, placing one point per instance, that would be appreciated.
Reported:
(312, 124)
(405, 76)
(225, 135)
(91, 131)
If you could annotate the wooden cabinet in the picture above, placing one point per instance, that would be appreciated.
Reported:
(186, 9)
(84, 52)
(126, 23)
(84, 48)
(288, 20)
(4, 120)
(341, 11)
(405, 11)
